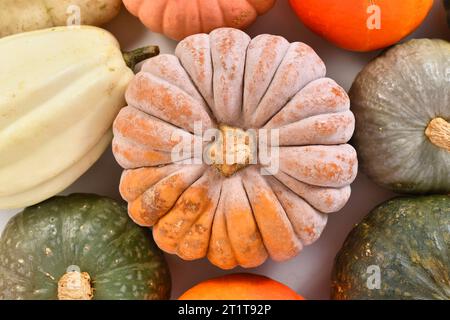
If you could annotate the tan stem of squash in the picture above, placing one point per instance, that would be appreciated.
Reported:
(438, 131)
(232, 151)
(132, 58)
(75, 286)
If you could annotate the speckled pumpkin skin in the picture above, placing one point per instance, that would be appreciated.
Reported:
(394, 99)
(227, 78)
(87, 231)
(409, 240)
(178, 19)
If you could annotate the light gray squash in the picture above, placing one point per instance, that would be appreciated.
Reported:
(401, 101)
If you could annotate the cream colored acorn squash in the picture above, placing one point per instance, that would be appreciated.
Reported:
(61, 89)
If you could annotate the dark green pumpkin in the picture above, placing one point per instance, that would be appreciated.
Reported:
(401, 102)
(408, 241)
(86, 232)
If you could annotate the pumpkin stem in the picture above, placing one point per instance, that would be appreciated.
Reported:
(132, 58)
(438, 131)
(231, 151)
(75, 286)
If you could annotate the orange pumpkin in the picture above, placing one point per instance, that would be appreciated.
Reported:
(178, 19)
(362, 25)
(241, 287)
(245, 209)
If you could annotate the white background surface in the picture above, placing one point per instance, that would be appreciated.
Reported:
(309, 273)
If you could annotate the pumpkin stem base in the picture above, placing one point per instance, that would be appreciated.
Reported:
(438, 131)
(232, 150)
(75, 286)
(132, 58)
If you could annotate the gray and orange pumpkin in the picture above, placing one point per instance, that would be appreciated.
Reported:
(235, 213)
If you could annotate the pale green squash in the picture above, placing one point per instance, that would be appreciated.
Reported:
(401, 102)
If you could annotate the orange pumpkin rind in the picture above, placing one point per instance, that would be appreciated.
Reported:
(242, 218)
(241, 286)
(179, 19)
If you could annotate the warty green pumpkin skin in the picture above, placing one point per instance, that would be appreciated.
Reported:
(408, 239)
(89, 232)
(395, 99)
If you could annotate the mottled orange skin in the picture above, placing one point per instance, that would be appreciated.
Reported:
(241, 287)
(232, 213)
(344, 22)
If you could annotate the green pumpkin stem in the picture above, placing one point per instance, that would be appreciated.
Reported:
(438, 131)
(132, 58)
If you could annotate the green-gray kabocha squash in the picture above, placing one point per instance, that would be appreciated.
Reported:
(78, 248)
(401, 102)
(401, 250)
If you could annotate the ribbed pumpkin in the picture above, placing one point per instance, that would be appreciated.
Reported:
(179, 19)
(362, 25)
(240, 287)
(61, 90)
(401, 102)
(234, 211)
(399, 251)
(80, 247)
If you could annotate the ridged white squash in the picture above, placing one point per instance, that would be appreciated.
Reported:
(60, 90)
